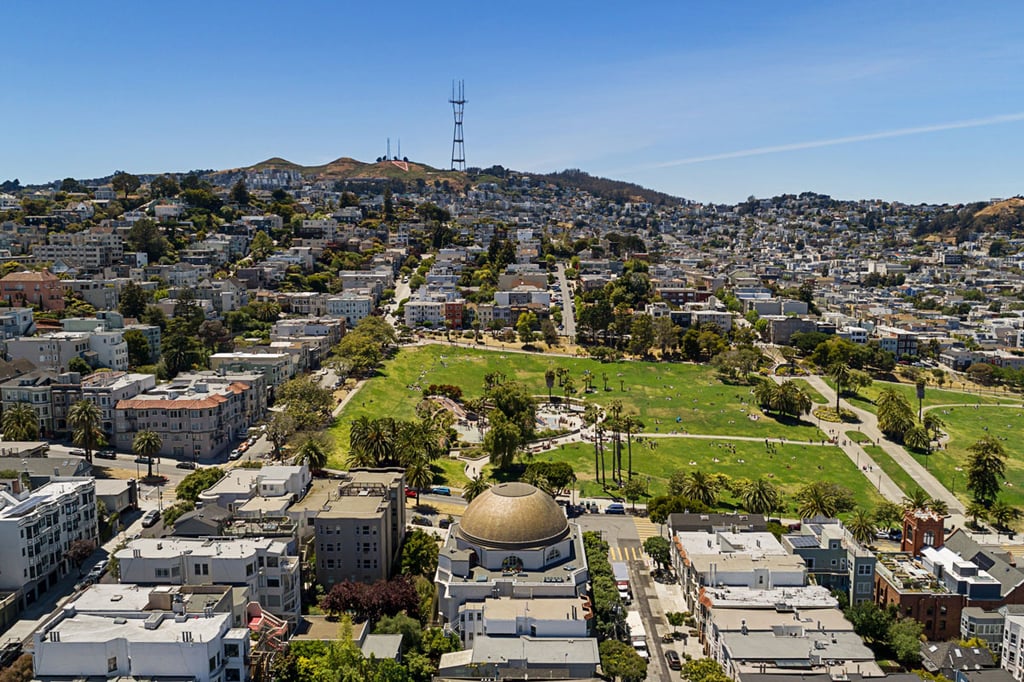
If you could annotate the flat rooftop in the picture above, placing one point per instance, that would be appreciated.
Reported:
(238, 548)
(830, 619)
(803, 597)
(765, 646)
(83, 627)
(543, 608)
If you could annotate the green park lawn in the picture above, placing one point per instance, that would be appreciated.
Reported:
(965, 426)
(898, 474)
(811, 391)
(865, 397)
(790, 466)
(666, 396)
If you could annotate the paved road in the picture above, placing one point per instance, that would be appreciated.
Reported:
(568, 312)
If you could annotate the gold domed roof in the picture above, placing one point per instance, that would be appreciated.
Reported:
(513, 515)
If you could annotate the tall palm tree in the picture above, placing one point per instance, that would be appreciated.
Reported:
(978, 513)
(839, 372)
(615, 408)
(475, 488)
(933, 424)
(147, 444)
(760, 496)
(549, 381)
(419, 475)
(373, 439)
(631, 424)
(895, 416)
(918, 438)
(312, 452)
(591, 417)
(861, 525)
(20, 422)
(84, 419)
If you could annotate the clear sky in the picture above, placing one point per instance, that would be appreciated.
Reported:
(713, 101)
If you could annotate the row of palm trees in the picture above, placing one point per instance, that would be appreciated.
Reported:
(414, 444)
(784, 398)
(613, 421)
(21, 423)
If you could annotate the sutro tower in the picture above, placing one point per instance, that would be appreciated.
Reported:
(458, 102)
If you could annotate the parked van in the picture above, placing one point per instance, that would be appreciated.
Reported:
(615, 508)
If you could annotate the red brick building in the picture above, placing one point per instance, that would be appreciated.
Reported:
(43, 289)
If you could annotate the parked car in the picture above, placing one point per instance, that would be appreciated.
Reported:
(673, 660)
(105, 454)
(441, 490)
(235, 454)
(615, 508)
(421, 521)
(185, 465)
(150, 518)
(141, 459)
(409, 492)
(78, 453)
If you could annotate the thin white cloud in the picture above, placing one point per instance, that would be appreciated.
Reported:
(850, 139)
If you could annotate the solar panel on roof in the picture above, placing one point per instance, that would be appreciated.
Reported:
(803, 541)
(983, 561)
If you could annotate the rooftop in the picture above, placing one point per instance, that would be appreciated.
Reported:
(237, 548)
(83, 627)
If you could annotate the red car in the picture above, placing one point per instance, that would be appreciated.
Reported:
(409, 492)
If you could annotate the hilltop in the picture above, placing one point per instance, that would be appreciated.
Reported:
(1000, 216)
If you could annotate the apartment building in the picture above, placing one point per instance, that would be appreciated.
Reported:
(96, 639)
(43, 289)
(276, 368)
(106, 389)
(15, 322)
(359, 531)
(834, 558)
(198, 421)
(351, 306)
(263, 565)
(36, 529)
(54, 351)
(83, 250)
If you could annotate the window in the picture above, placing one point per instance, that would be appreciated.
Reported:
(810, 562)
(863, 569)
(163, 573)
(202, 569)
(273, 582)
(929, 538)
(112, 664)
(232, 675)
(864, 588)
(231, 650)
(213, 663)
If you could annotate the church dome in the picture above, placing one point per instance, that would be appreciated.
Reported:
(513, 516)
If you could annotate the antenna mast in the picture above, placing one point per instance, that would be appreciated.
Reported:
(458, 102)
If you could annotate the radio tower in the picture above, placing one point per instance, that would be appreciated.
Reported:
(458, 102)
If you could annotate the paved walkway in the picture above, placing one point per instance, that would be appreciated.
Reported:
(869, 427)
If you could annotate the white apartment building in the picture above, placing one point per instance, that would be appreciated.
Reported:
(277, 368)
(351, 306)
(419, 313)
(507, 617)
(261, 564)
(36, 529)
(241, 484)
(88, 250)
(100, 348)
(141, 645)
(1012, 658)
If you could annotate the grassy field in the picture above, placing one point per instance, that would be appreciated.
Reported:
(790, 466)
(898, 475)
(965, 426)
(811, 391)
(666, 396)
(866, 397)
(857, 437)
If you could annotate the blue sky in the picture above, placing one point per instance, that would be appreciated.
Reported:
(706, 100)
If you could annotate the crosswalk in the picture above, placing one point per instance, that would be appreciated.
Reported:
(616, 553)
(645, 528)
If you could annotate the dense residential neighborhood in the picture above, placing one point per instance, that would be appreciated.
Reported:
(197, 482)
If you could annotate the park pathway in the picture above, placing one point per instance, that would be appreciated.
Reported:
(869, 427)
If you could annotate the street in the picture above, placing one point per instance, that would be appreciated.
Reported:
(568, 312)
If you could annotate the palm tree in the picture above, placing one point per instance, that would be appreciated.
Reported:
(861, 526)
(312, 452)
(978, 513)
(817, 499)
(934, 425)
(839, 372)
(938, 506)
(84, 420)
(591, 417)
(1002, 514)
(549, 380)
(147, 444)
(419, 475)
(615, 410)
(475, 487)
(20, 422)
(631, 424)
(373, 440)
(916, 499)
(764, 393)
(760, 496)
(917, 438)
(895, 416)
(702, 487)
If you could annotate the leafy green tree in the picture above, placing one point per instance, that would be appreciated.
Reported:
(823, 498)
(419, 554)
(621, 661)
(641, 335)
(524, 327)
(125, 183)
(659, 549)
(905, 641)
(180, 349)
(20, 423)
(196, 482)
(163, 186)
(634, 490)
(986, 470)
(77, 364)
(132, 300)
(84, 420)
(372, 441)
(147, 444)
(144, 236)
(280, 428)
(138, 348)
(703, 670)
(240, 193)
(261, 246)
(871, 621)
(502, 440)
(888, 514)
(419, 475)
